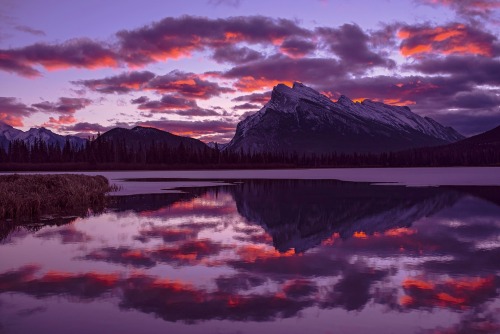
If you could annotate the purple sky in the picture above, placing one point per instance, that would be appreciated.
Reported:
(197, 67)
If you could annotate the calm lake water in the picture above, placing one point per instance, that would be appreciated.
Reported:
(267, 255)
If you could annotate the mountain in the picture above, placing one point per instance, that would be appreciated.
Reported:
(301, 119)
(143, 136)
(480, 150)
(214, 145)
(488, 139)
(48, 137)
(300, 214)
(8, 134)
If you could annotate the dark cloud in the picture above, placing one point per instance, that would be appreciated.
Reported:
(13, 112)
(476, 100)
(186, 84)
(467, 8)
(280, 69)
(193, 128)
(170, 38)
(199, 112)
(189, 85)
(30, 30)
(386, 36)
(171, 301)
(122, 255)
(167, 103)
(353, 291)
(140, 100)
(236, 55)
(453, 38)
(455, 293)
(474, 69)
(122, 83)
(246, 106)
(65, 105)
(85, 286)
(351, 44)
(239, 282)
(231, 3)
(67, 235)
(260, 98)
(170, 104)
(297, 48)
(167, 234)
(79, 53)
(300, 288)
(452, 100)
(178, 37)
(188, 253)
(86, 127)
(182, 302)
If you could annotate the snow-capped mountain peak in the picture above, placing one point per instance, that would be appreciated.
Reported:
(8, 132)
(295, 116)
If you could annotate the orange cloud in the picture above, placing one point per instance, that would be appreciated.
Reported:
(410, 51)
(452, 293)
(360, 235)
(251, 253)
(453, 38)
(11, 120)
(250, 84)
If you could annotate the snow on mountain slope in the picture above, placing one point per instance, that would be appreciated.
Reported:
(9, 133)
(298, 118)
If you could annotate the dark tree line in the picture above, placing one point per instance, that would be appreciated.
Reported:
(117, 154)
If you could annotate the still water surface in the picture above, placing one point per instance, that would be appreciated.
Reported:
(266, 256)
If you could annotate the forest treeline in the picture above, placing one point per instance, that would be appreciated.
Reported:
(102, 154)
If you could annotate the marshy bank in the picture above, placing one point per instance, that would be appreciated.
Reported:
(31, 197)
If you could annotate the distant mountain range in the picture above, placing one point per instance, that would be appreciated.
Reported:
(145, 137)
(132, 138)
(302, 120)
(9, 133)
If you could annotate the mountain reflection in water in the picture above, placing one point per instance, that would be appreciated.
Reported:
(264, 255)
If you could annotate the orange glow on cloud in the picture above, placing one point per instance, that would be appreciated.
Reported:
(454, 293)
(403, 34)
(455, 38)
(414, 283)
(360, 235)
(54, 65)
(398, 102)
(250, 84)
(11, 120)
(251, 253)
(233, 37)
(406, 51)
(447, 34)
(393, 102)
(328, 95)
(396, 232)
(331, 240)
(450, 299)
(189, 82)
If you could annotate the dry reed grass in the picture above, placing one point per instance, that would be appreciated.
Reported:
(28, 197)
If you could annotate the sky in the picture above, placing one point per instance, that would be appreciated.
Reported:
(198, 67)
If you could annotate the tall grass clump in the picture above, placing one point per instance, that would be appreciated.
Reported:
(29, 197)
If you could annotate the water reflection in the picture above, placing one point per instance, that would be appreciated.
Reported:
(312, 254)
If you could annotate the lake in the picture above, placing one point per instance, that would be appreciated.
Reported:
(319, 251)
